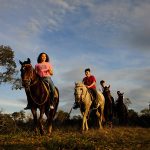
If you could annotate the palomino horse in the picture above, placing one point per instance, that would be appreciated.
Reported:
(109, 106)
(121, 109)
(84, 99)
(38, 95)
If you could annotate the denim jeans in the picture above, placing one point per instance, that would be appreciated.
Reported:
(51, 84)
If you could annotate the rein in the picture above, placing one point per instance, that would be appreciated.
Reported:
(34, 83)
(81, 100)
(42, 95)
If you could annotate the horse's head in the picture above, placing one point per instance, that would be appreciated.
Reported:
(107, 90)
(120, 96)
(26, 72)
(80, 90)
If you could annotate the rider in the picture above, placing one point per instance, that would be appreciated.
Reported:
(45, 70)
(103, 85)
(90, 82)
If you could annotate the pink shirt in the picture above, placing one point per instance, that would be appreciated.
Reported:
(43, 69)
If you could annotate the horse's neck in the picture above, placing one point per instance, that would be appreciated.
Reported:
(120, 100)
(35, 76)
(87, 95)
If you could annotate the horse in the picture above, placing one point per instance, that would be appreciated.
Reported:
(37, 92)
(84, 98)
(109, 106)
(121, 109)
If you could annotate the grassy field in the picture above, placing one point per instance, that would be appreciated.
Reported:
(118, 138)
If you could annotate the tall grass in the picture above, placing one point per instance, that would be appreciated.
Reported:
(118, 138)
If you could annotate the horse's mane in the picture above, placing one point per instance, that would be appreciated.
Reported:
(79, 83)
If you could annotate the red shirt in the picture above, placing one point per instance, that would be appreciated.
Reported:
(89, 80)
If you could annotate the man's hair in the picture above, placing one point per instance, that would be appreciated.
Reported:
(87, 69)
(102, 81)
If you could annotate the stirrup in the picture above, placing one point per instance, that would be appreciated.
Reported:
(75, 106)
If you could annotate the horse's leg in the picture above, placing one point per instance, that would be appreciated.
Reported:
(41, 120)
(50, 120)
(34, 113)
(84, 122)
(100, 116)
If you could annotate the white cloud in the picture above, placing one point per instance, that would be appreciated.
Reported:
(79, 34)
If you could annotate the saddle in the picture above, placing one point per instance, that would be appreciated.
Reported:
(94, 97)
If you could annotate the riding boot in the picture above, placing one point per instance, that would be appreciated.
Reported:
(27, 107)
(76, 105)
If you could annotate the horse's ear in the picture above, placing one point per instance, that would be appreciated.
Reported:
(28, 60)
(109, 86)
(20, 62)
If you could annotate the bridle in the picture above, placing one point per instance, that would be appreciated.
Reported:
(30, 82)
(81, 98)
(27, 81)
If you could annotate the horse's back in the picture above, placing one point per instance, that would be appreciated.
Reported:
(101, 97)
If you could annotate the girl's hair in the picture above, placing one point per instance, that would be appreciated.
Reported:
(39, 57)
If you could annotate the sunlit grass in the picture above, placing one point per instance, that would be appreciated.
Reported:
(122, 138)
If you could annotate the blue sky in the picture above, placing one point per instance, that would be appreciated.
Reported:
(112, 37)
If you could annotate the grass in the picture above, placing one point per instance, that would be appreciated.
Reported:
(118, 138)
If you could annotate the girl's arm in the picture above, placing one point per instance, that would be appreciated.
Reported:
(50, 71)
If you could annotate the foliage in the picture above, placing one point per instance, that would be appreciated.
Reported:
(145, 112)
(133, 118)
(7, 65)
(61, 116)
(127, 101)
(145, 118)
(7, 124)
(19, 115)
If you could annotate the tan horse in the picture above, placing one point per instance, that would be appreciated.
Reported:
(83, 97)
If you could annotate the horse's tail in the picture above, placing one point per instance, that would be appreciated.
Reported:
(56, 102)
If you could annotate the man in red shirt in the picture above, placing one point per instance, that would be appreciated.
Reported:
(90, 82)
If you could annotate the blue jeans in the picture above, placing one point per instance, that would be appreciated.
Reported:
(51, 84)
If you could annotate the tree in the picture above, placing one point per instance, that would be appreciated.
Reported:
(7, 124)
(127, 101)
(7, 65)
(145, 112)
(62, 116)
(19, 116)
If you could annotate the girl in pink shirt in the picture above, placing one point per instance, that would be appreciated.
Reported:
(45, 70)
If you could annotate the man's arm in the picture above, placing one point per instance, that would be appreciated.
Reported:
(89, 86)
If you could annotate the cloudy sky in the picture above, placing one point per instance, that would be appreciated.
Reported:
(112, 37)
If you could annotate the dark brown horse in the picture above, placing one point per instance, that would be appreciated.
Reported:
(121, 109)
(109, 106)
(38, 96)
